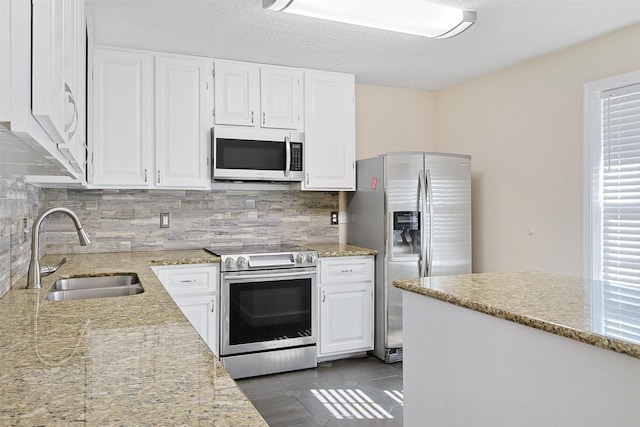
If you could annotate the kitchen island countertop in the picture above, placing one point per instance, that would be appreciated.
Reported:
(520, 349)
(131, 360)
(567, 306)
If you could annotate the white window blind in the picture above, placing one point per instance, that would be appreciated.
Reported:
(620, 180)
(620, 211)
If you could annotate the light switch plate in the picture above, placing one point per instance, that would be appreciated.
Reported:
(165, 220)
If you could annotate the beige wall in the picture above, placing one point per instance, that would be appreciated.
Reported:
(523, 128)
(393, 119)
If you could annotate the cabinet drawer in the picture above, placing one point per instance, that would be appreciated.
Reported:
(189, 279)
(346, 269)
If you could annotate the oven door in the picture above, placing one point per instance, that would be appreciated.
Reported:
(267, 310)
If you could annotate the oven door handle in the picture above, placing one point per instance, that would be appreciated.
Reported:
(227, 276)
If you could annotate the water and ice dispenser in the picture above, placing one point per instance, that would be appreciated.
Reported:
(406, 233)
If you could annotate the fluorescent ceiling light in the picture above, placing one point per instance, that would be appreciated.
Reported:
(418, 17)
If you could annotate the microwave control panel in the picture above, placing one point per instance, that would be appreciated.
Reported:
(296, 156)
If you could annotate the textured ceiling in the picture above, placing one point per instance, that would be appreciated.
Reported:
(506, 32)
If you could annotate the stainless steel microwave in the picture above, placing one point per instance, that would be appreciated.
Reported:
(257, 155)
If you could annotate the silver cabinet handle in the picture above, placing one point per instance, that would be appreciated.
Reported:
(213, 305)
(252, 117)
(264, 118)
(188, 281)
(323, 296)
(346, 271)
(146, 175)
(158, 176)
(74, 120)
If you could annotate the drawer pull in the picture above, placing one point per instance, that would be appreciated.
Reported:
(188, 281)
(346, 271)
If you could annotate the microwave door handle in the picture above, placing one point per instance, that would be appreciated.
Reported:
(287, 158)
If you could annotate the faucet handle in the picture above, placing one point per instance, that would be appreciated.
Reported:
(46, 270)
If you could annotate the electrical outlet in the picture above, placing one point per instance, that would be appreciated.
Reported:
(334, 218)
(165, 220)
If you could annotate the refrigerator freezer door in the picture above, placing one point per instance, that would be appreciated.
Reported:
(448, 222)
(396, 270)
(402, 171)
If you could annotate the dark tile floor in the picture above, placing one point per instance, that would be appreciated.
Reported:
(349, 392)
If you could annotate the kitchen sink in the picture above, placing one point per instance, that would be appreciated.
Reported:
(95, 287)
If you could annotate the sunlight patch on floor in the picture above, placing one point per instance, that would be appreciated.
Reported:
(396, 395)
(352, 403)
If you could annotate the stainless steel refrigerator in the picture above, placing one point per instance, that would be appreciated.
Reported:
(415, 209)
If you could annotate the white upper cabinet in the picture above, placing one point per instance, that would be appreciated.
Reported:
(280, 98)
(122, 133)
(42, 94)
(248, 94)
(151, 120)
(58, 79)
(329, 120)
(237, 93)
(182, 122)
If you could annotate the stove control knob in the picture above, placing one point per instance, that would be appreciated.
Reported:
(300, 259)
(230, 262)
(311, 258)
(242, 262)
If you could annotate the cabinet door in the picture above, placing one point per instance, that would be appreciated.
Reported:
(183, 124)
(58, 65)
(346, 318)
(122, 133)
(280, 98)
(201, 312)
(237, 93)
(329, 122)
(48, 64)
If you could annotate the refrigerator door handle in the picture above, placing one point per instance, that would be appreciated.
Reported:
(429, 192)
(422, 200)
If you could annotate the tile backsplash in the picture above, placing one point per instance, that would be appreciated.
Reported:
(18, 200)
(123, 220)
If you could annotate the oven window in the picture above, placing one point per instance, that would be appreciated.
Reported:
(266, 311)
(249, 154)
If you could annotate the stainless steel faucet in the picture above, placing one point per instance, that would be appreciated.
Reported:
(35, 272)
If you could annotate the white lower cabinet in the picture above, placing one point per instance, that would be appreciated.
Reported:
(346, 305)
(201, 312)
(193, 288)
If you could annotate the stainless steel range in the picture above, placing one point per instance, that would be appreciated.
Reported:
(268, 319)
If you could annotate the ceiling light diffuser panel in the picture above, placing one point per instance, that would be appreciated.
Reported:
(418, 17)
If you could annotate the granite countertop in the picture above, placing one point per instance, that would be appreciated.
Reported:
(575, 308)
(131, 360)
(328, 250)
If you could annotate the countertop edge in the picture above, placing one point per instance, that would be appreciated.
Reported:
(591, 338)
(333, 250)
